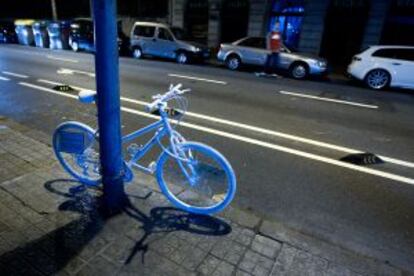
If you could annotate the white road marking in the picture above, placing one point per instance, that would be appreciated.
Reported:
(15, 74)
(327, 99)
(196, 78)
(48, 90)
(263, 130)
(256, 142)
(62, 59)
(66, 71)
(4, 79)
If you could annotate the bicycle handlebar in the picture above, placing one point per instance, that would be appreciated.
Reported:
(160, 99)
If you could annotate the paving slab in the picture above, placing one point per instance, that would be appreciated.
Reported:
(51, 225)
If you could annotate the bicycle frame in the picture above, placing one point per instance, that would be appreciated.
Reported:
(162, 128)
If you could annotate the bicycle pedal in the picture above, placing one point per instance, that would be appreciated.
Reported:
(152, 167)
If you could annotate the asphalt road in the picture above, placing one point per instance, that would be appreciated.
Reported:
(284, 138)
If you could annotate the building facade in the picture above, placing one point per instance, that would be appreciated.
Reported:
(336, 29)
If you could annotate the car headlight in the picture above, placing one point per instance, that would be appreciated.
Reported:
(321, 64)
(196, 49)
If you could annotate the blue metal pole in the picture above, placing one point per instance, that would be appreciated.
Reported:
(109, 113)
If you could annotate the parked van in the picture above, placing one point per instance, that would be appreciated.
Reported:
(161, 40)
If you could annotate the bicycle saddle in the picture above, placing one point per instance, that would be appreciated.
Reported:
(87, 96)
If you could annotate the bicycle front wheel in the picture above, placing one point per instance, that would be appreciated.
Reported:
(77, 150)
(197, 178)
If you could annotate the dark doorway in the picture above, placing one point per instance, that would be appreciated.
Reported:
(196, 20)
(234, 20)
(399, 26)
(344, 30)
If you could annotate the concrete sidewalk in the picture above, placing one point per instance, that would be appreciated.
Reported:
(49, 225)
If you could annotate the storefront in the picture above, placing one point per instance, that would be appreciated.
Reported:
(289, 13)
(335, 29)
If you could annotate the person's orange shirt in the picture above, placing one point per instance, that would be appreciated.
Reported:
(274, 42)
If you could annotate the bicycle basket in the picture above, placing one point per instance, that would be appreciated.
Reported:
(72, 142)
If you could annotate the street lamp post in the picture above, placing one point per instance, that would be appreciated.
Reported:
(54, 10)
(109, 114)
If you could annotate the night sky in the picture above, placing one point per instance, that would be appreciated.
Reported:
(66, 9)
(42, 9)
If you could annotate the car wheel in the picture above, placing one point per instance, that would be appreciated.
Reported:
(75, 46)
(182, 58)
(233, 62)
(137, 53)
(299, 71)
(377, 79)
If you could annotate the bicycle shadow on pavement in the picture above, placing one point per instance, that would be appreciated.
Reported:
(52, 252)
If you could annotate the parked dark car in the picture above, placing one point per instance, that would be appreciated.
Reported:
(59, 34)
(82, 37)
(40, 34)
(7, 32)
(24, 31)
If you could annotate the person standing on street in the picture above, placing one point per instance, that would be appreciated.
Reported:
(273, 44)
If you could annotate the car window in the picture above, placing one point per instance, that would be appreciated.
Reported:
(255, 42)
(164, 34)
(405, 54)
(385, 53)
(180, 33)
(395, 53)
(145, 31)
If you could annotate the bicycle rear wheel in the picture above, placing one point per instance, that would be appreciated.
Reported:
(77, 150)
(199, 179)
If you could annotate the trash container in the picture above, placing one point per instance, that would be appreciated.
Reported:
(41, 37)
(59, 34)
(24, 31)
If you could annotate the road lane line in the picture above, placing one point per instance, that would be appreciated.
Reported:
(48, 90)
(67, 71)
(256, 142)
(15, 74)
(62, 59)
(4, 79)
(263, 131)
(196, 78)
(328, 99)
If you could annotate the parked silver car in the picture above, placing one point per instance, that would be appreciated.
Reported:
(252, 51)
(161, 40)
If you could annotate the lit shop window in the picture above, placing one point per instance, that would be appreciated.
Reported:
(290, 16)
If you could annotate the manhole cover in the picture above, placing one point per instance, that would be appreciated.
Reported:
(172, 113)
(362, 159)
(63, 88)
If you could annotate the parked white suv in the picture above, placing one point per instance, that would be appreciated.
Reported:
(382, 66)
